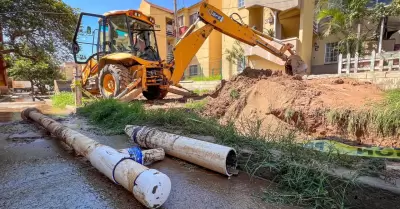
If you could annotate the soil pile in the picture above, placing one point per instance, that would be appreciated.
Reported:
(279, 103)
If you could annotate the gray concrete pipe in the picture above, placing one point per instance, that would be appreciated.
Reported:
(149, 186)
(215, 157)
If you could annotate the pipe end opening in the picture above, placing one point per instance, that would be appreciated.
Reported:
(231, 163)
(25, 113)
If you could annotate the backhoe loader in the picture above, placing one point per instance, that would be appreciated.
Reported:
(120, 53)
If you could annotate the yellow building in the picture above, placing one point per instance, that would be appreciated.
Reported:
(208, 60)
(289, 20)
(67, 69)
(164, 23)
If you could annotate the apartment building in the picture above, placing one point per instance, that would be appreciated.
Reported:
(291, 21)
(208, 60)
(288, 20)
(164, 19)
(67, 69)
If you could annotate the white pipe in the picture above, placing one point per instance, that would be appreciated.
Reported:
(149, 186)
(215, 157)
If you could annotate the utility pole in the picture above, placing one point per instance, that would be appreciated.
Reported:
(78, 82)
(176, 21)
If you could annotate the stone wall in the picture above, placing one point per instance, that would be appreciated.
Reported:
(385, 80)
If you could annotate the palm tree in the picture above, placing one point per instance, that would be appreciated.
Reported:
(339, 17)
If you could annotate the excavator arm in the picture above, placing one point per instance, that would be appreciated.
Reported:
(187, 47)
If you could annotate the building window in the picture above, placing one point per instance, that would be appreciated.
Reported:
(240, 3)
(331, 52)
(193, 70)
(193, 18)
(180, 21)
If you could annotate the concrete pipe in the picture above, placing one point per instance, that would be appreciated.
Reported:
(144, 157)
(149, 186)
(215, 157)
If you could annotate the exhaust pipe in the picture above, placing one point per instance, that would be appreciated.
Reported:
(215, 157)
(149, 186)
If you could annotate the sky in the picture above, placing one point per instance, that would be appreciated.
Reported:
(102, 6)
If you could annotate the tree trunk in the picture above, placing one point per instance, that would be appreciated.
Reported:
(42, 89)
(348, 47)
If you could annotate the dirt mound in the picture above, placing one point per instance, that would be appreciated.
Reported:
(281, 103)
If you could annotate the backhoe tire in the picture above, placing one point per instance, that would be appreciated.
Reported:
(154, 92)
(113, 79)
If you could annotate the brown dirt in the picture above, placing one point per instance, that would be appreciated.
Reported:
(281, 103)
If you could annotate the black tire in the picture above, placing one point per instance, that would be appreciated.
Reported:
(120, 76)
(154, 92)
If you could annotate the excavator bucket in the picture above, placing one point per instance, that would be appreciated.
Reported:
(295, 66)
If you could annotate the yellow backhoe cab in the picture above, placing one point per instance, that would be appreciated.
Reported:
(120, 53)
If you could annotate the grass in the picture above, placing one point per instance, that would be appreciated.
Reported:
(203, 78)
(234, 94)
(201, 91)
(196, 105)
(62, 99)
(300, 173)
(393, 97)
(382, 119)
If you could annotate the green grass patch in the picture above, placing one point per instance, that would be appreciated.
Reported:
(201, 91)
(393, 97)
(196, 105)
(62, 99)
(300, 173)
(234, 94)
(204, 78)
(382, 119)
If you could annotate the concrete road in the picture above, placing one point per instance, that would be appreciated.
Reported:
(37, 171)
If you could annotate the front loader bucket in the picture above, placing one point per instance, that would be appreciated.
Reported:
(295, 66)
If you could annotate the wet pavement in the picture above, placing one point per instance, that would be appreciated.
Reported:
(38, 171)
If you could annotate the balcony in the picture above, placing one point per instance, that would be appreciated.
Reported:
(170, 30)
(182, 30)
(258, 51)
(273, 4)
